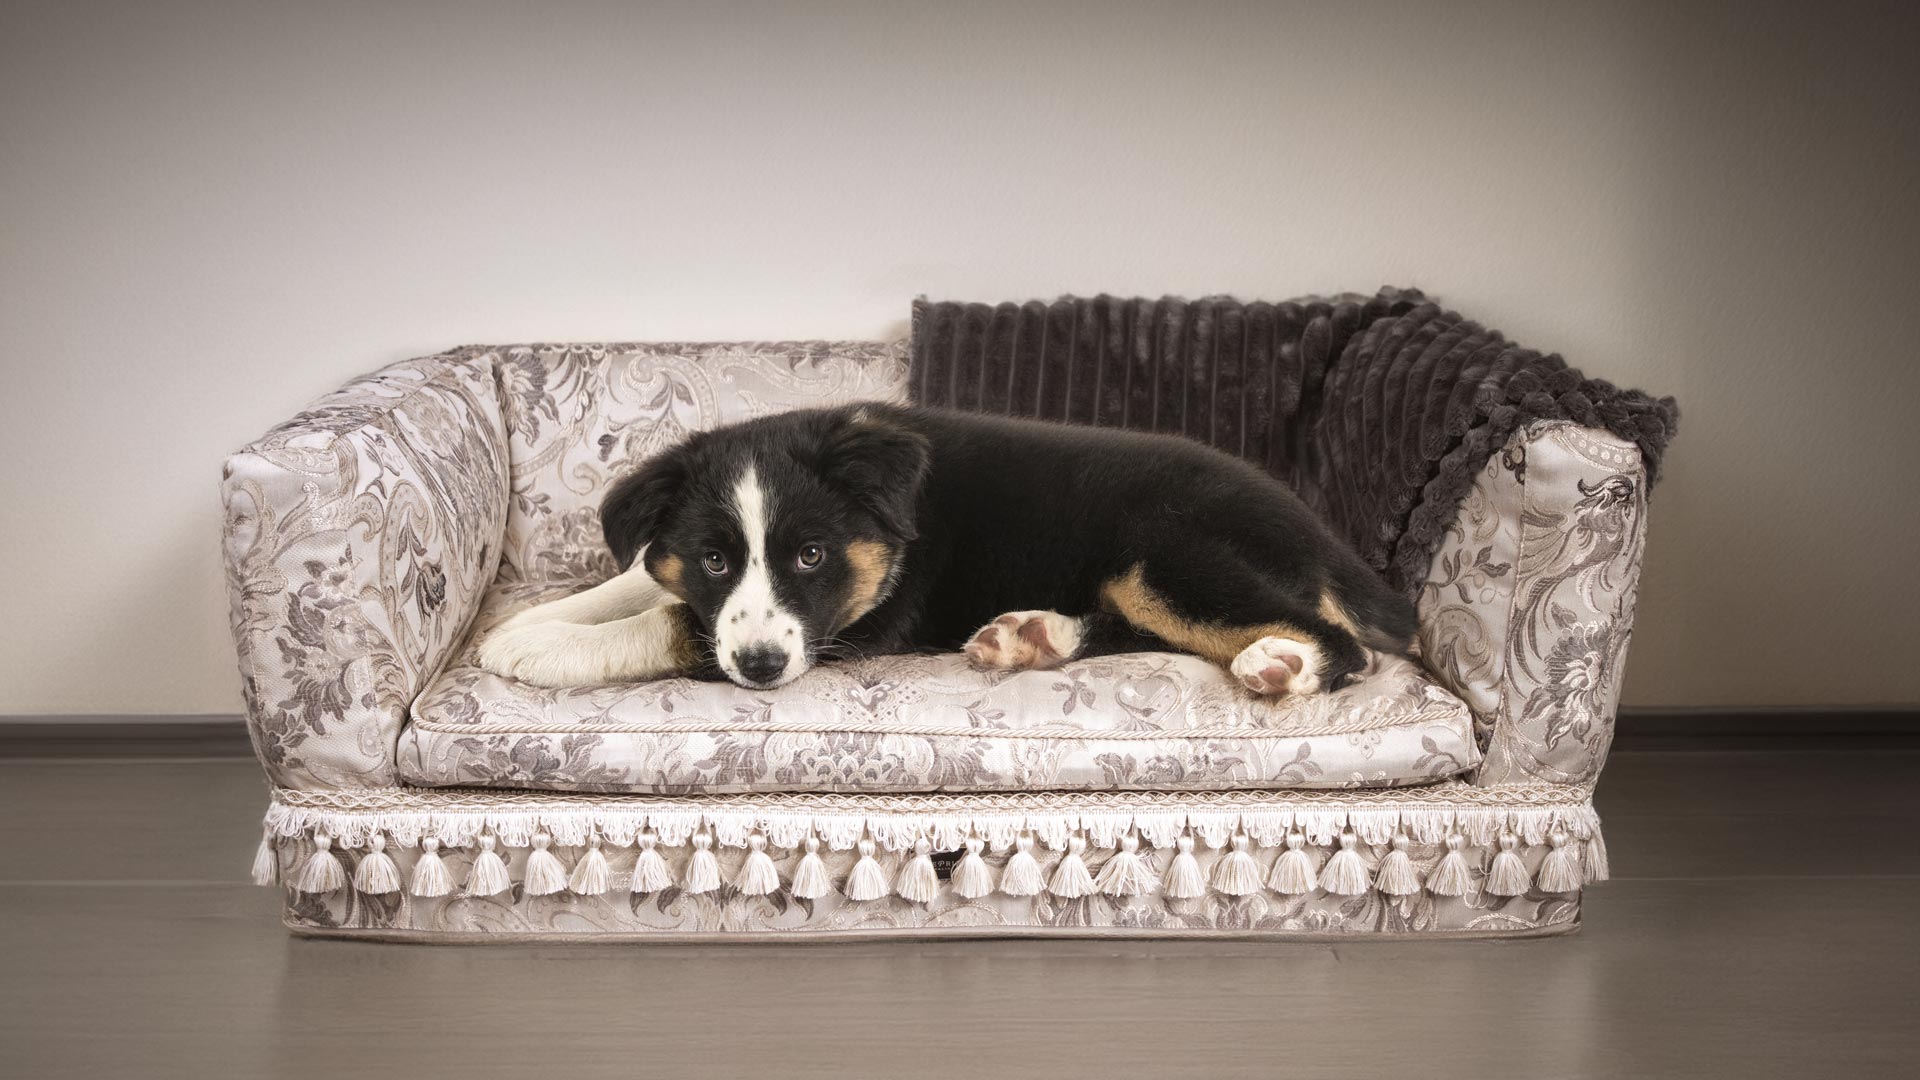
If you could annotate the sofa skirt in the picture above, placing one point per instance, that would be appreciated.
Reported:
(1449, 860)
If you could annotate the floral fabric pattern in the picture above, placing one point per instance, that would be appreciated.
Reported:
(579, 417)
(1528, 607)
(1137, 721)
(359, 538)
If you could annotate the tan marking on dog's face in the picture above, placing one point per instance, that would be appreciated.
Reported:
(1331, 611)
(1130, 598)
(685, 646)
(872, 564)
(671, 573)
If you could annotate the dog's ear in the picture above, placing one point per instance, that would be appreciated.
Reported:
(882, 464)
(636, 507)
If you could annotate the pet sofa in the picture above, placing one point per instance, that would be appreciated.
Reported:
(372, 539)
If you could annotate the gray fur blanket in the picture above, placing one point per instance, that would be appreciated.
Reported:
(1379, 410)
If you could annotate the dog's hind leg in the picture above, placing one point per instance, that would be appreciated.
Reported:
(654, 644)
(628, 593)
(1213, 604)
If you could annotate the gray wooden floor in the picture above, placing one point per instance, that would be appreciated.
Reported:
(1764, 921)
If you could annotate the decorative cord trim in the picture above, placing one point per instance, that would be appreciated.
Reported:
(700, 725)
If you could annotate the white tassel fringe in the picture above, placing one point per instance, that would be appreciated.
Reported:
(322, 872)
(1022, 874)
(1453, 877)
(973, 878)
(1346, 873)
(1237, 874)
(591, 875)
(376, 875)
(1508, 875)
(810, 880)
(1560, 872)
(545, 874)
(1071, 879)
(918, 880)
(266, 861)
(1183, 877)
(758, 875)
(488, 877)
(430, 876)
(1125, 873)
(868, 881)
(1293, 873)
(703, 870)
(650, 871)
(1396, 876)
(1595, 862)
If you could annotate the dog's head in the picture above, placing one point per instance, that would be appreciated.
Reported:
(777, 533)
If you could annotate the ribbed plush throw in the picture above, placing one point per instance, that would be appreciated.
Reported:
(1379, 410)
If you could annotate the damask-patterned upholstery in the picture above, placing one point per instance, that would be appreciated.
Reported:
(1140, 721)
(371, 537)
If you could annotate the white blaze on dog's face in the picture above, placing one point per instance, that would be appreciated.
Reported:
(757, 641)
(777, 534)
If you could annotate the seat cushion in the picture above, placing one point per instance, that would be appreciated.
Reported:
(1137, 721)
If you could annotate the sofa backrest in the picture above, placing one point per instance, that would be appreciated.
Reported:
(580, 416)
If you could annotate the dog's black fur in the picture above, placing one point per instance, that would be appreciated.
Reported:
(971, 517)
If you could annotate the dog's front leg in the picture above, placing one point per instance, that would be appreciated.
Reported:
(656, 643)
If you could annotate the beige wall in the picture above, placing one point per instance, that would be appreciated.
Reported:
(211, 212)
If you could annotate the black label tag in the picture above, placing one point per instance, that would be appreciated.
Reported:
(945, 861)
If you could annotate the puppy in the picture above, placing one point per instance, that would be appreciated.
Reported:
(752, 552)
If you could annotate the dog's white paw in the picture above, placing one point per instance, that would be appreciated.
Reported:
(1275, 665)
(1023, 641)
(526, 652)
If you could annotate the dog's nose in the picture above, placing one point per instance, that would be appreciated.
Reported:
(760, 664)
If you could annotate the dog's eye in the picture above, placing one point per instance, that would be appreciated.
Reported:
(715, 563)
(810, 556)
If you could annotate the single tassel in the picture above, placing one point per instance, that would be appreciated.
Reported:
(1070, 878)
(591, 875)
(1508, 875)
(322, 872)
(1237, 874)
(376, 875)
(972, 878)
(1595, 862)
(650, 872)
(266, 862)
(1396, 876)
(1453, 877)
(703, 870)
(868, 881)
(430, 877)
(1022, 874)
(545, 874)
(1346, 873)
(758, 875)
(1126, 874)
(488, 877)
(1293, 873)
(918, 880)
(1560, 872)
(810, 880)
(1184, 881)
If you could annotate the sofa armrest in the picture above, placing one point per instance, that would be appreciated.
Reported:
(359, 537)
(1528, 606)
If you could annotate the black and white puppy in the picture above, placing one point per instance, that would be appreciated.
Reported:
(755, 550)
